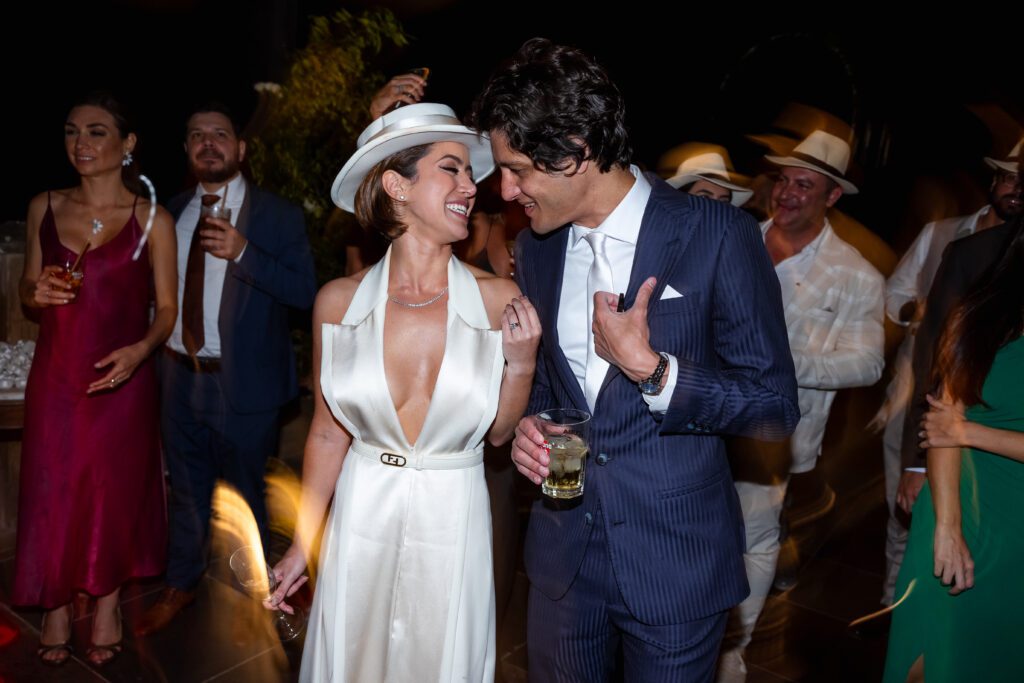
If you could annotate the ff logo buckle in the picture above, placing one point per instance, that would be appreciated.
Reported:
(392, 459)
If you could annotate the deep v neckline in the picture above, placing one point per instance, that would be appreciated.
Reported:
(466, 316)
(412, 445)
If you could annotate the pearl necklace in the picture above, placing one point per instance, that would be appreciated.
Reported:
(420, 305)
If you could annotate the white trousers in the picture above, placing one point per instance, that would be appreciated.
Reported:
(762, 505)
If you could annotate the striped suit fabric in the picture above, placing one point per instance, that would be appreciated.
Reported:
(659, 485)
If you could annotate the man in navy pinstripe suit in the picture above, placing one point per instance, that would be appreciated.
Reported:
(650, 559)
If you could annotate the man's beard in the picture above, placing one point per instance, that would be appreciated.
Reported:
(206, 174)
(1005, 206)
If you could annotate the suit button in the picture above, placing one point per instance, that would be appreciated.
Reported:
(589, 518)
(602, 458)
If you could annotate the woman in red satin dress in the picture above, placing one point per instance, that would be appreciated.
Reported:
(91, 511)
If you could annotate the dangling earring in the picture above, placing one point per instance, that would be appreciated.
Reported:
(128, 159)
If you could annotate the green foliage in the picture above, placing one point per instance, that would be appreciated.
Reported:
(314, 119)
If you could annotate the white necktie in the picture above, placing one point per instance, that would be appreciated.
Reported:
(598, 280)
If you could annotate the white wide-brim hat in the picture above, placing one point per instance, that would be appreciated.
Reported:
(1010, 164)
(711, 167)
(821, 152)
(408, 126)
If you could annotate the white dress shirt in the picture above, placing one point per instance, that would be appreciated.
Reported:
(913, 277)
(214, 271)
(911, 281)
(622, 226)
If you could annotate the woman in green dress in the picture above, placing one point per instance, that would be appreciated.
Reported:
(962, 611)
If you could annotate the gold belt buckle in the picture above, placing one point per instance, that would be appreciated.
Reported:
(392, 459)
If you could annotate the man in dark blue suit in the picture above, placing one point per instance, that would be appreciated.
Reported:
(228, 366)
(650, 559)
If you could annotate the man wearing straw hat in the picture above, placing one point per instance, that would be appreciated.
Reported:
(832, 299)
(648, 561)
(905, 293)
(229, 364)
(709, 174)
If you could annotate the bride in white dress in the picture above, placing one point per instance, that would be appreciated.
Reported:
(420, 358)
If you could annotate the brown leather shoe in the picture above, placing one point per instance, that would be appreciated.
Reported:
(170, 602)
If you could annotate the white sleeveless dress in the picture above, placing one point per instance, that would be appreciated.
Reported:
(405, 590)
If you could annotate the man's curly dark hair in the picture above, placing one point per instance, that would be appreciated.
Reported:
(556, 106)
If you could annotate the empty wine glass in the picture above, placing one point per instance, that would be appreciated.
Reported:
(252, 572)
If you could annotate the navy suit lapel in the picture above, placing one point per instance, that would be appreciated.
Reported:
(231, 298)
(242, 224)
(549, 273)
(662, 239)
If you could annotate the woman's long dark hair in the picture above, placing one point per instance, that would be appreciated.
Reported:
(990, 315)
(106, 101)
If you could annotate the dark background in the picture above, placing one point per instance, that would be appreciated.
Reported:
(927, 97)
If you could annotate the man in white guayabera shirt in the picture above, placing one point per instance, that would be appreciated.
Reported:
(832, 298)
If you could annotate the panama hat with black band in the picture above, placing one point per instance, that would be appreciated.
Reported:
(824, 153)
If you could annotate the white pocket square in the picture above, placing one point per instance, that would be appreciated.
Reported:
(669, 293)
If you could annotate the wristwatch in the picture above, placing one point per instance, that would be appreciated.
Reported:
(651, 386)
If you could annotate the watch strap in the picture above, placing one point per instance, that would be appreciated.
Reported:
(651, 386)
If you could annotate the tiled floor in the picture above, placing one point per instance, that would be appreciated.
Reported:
(803, 636)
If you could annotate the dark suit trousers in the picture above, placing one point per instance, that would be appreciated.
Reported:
(204, 440)
(576, 638)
